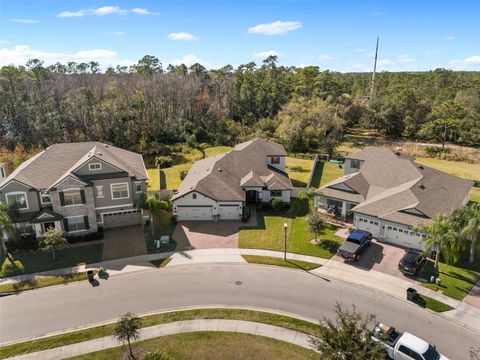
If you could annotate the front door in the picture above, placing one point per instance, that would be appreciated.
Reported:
(48, 225)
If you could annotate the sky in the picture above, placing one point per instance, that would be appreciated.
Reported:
(337, 35)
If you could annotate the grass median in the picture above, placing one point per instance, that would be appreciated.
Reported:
(269, 260)
(108, 330)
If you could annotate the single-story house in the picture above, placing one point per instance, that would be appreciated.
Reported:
(218, 187)
(388, 193)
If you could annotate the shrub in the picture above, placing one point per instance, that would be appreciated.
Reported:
(92, 236)
(9, 269)
(245, 213)
(436, 151)
(164, 161)
(276, 204)
(183, 174)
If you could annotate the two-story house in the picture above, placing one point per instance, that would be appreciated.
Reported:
(218, 187)
(387, 193)
(76, 188)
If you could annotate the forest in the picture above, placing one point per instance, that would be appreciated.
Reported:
(150, 108)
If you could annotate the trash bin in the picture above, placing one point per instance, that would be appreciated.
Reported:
(411, 294)
(90, 275)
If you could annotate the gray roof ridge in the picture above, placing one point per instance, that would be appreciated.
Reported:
(73, 167)
(21, 167)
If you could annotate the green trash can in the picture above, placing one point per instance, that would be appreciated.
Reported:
(411, 294)
(90, 275)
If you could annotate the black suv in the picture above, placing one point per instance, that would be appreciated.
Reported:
(411, 262)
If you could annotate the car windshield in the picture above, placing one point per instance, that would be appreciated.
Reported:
(410, 258)
(431, 354)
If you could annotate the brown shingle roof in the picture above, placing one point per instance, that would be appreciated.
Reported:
(220, 177)
(57, 161)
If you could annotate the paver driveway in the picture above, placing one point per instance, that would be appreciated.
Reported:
(126, 241)
(206, 235)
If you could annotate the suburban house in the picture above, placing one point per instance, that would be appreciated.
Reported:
(218, 187)
(76, 188)
(388, 193)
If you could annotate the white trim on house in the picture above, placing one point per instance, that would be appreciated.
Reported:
(136, 190)
(71, 189)
(42, 192)
(120, 198)
(15, 180)
(18, 193)
(120, 212)
(94, 167)
(98, 159)
(112, 206)
(58, 182)
(74, 217)
(99, 189)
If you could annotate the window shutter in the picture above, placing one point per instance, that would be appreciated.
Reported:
(65, 223)
(62, 198)
(82, 195)
(85, 220)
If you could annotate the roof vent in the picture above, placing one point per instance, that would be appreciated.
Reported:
(398, 153)
(422, 187)
(421, 167)
(219, 170)
(89, 154)
(99, 153)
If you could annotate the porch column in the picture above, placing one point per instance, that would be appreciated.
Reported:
(38, 229)
(344, 209)
(58, 226)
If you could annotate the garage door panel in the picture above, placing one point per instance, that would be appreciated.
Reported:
(403, 238)
(122, 218)
(194, 213)
(368, 226)
(228, 212)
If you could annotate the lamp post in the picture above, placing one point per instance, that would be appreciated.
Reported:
(285, 226)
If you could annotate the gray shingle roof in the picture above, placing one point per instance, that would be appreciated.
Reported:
(220, 177)
(57, 161)
(390, 183)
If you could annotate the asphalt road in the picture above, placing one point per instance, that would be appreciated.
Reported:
(39, 312)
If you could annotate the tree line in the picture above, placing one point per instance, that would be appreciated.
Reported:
(149, 108)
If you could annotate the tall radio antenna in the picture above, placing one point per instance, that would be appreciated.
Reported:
(374, 71)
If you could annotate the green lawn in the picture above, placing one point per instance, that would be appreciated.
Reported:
(432, 304)
(37, 261)
(269, 260)
(42, 282)
(215, 150)
(107, 330)
(456, 282)
(210, 345)
(325, 172)
(298, 170)
(269, 233)
(458, 168)
(162, 225)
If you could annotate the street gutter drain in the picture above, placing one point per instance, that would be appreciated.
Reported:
(238, 282)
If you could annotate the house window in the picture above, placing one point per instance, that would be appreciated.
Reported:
(394, 229)
(355, 164)
(94, 166)
(389, 227)
(45, 197)
(275, 160)
(119, 191)
(72, 197)
(138, 187)
(76, 224)
(376, 223)
(100, 191)
(400, 230)
(19, 199)
(275, 193)
(371, 222)
(2, 172)
(194, 196)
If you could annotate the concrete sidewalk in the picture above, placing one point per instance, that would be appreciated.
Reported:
(237, 326)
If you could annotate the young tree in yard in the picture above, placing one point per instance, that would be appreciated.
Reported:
(315, 224)
(5, 223)
(441, 234)
(127, 330)
(310, 195)
(349, 336)
(52, 239)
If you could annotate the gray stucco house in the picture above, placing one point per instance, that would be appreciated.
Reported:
(388, 193)
(218, 187)
(76, 188)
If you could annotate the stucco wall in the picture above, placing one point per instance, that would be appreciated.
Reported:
(286, 194)
(348, 169)
(280, 166)
(32, 196)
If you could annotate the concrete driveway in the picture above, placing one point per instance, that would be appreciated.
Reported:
(126, 241)
(206, 235)
(380, 257)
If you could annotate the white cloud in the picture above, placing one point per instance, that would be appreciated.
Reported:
(469, 63)
(182, 36)
(25, 21)
(142, 11)
(475, 59)
(385, 62)
(103, 11)
(361, 51)
(20, 54)
(3, 42)
(404, 58)
(450, 38)
(265, 54)
(189, 60)
(275, 28)
(325, 57)
(117, 33)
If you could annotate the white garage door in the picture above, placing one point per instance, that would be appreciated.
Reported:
(402, 237)
(194, 212)
(372, 226)
(121, 218)
(228, 212)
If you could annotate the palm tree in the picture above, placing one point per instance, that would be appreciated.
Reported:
(471, 228)
(441, 234)
(310, 195)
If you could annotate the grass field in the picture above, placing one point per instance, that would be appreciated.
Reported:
(269, 260)
(298, 170)
(107, 330)
(269, 233)
(28, 262)
(212, 346)
(42, 282)
(432, 304)
(325, 172)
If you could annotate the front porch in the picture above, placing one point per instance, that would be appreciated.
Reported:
(336, 208)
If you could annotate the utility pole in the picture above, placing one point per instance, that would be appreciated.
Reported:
(374, 71)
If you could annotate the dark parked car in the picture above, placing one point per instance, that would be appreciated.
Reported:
(356, 242)
(411, 262)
